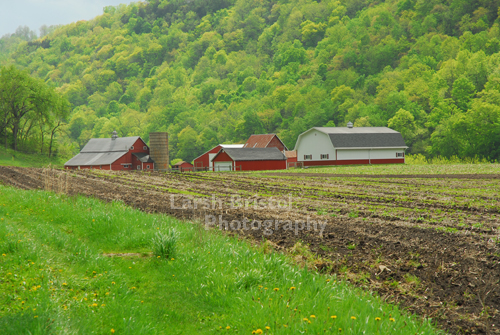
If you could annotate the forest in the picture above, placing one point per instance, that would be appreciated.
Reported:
(211, 72)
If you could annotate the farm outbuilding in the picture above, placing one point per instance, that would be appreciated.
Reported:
(291, 158)
(249, 159)
(116, 153)
(350, 145)
(204, 161)
(182, 166)
(265, 141)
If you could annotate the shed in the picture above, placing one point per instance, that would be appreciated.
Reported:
(249, 159)
(182, 166)
(204, 161)
(350, 145)
(116, 153)
(265, 141)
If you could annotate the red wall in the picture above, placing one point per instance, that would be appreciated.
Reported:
(222, 157)
(260, 165)
(128, 158)
(276, 143)
(204, 159)
(356, 162)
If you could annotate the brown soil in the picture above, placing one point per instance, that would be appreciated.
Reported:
(431, 245)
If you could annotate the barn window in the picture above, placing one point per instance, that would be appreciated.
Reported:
(132, 148)
(148, 166)
(400, 154)
(308, 157)
(324, 156)
(145, 148)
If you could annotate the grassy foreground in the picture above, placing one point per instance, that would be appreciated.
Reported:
(54, 278)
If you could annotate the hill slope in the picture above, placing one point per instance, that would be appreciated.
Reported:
(218, 71)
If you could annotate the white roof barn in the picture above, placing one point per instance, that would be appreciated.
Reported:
(350, 145)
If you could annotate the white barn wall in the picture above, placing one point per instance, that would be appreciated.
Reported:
(384, 153)
(352, 154)
(315, 143)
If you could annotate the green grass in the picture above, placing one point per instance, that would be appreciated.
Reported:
(54, 278)
(480, 168)
(10, 157)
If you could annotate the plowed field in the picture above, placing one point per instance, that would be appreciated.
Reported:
(428, 243)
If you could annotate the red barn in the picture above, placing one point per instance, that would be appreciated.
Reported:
(291, 158)
(251, 159)
(205, 161)
(265, 141)
(182, 166)
(116, 153)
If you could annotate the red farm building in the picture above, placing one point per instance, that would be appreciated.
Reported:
(182, 166)
(116, 153)
(265, 141)
(204, 162)
(249, 159)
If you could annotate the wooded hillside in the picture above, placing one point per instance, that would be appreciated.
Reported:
(211, 72)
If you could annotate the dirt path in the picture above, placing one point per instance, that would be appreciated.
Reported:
(430, 245)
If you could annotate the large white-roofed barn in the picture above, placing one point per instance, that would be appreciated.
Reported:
(350, 145)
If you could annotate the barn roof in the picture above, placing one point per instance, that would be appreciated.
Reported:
(254, 154)
(181, 163)
(93, 158)
(363, 137)
(109, 144)
(222, 146)
(291, 154)
(103, 151)
(143, 157)
(261, 141)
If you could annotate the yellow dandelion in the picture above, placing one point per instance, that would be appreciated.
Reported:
(313, 316)
(4, 255)
(267, 327)
(328, 280)
(333, 317)
(158, 257)
(94, 305)
(377, 319)
(276, 289)
(113, 283)
(93, 272)
(340, 330)
(285, 326)
(353, 318)
(35, 316)
(292, 288)
(112, 331)
(64, 284)
(305, 319)
(142, 301)
(107, 293)
(258, 331)
(227, 328)
(173, 259)
(392, 320)
(132, 288)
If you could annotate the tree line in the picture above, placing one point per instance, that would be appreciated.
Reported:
(31, 112)
(211, 72)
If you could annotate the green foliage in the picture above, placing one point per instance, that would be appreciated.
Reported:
(216, 71)
(54, 273)
(164, 243)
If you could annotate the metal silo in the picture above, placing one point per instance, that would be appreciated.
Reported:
(158, 150)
